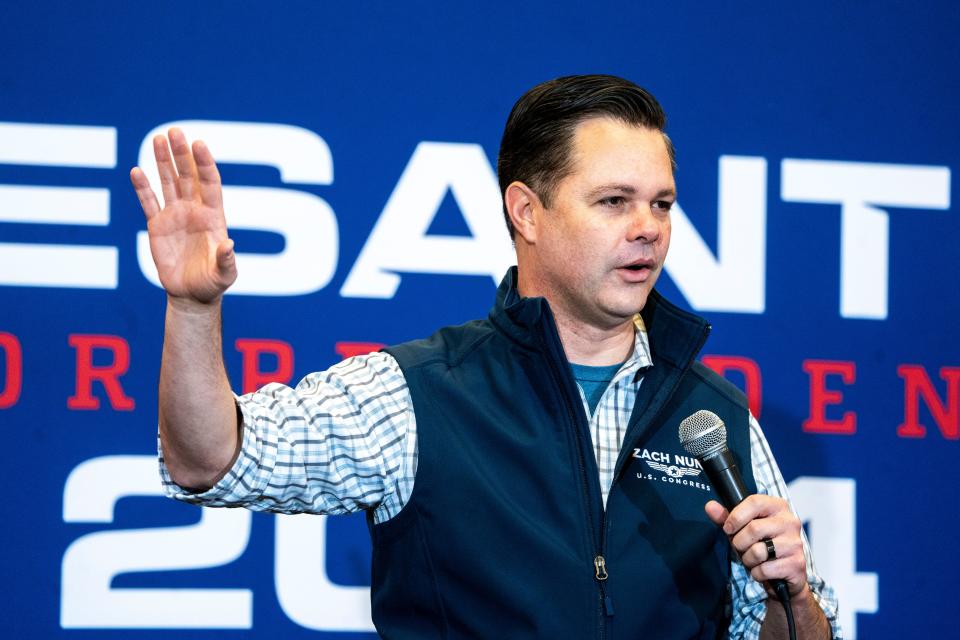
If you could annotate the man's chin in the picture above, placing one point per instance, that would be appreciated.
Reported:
(634, 299)
(624, 309)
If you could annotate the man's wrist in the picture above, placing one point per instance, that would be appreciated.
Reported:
(811, 621)
(190, 307)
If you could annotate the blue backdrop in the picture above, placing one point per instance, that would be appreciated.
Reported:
(815, 229)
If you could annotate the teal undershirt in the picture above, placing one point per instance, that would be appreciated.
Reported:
(594, 381)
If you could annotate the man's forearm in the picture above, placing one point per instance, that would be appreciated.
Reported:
(811, 623)
(198, 415)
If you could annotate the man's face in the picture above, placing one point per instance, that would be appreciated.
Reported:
(601, 245)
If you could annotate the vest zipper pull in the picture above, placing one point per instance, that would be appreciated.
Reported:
(600, 568)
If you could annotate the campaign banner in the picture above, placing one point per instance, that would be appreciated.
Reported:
(814, 228)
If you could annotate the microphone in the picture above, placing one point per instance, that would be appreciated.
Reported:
(704, 436)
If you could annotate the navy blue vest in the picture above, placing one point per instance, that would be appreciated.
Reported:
(505, 528)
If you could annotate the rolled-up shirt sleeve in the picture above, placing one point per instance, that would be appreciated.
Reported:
(342, 440)
(748, 597)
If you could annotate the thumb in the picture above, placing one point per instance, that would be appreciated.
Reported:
(716, 512)
(226, 260)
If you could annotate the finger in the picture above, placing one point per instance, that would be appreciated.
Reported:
(211, 192)
(185, 163)
(754, 532)
(757, 553)
(168, 174)
(754, 506)
(716, 512)
(781, 525)
(793, 570)
(148, 200)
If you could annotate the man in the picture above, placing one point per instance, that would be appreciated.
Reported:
(508, 466)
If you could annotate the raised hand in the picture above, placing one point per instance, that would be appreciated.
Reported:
(188, 236)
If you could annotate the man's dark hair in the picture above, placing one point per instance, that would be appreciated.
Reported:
(535, 148)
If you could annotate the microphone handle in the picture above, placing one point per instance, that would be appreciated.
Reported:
(725, 478)
(728, 484)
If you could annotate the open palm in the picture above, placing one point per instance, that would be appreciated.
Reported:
(188, 236)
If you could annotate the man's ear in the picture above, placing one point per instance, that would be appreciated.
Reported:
(522, 205)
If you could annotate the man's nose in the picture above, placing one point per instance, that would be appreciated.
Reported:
(644, 225)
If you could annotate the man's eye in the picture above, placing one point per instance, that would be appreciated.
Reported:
(663, 205)
(613, 201)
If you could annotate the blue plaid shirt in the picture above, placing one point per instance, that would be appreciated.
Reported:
(345, 440)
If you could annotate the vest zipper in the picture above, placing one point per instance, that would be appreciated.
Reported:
(605, 604)
(556, 358)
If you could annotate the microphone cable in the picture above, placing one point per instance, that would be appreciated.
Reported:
(783, 595)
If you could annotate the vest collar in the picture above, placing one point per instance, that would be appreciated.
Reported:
(674, 335)
(522, 319)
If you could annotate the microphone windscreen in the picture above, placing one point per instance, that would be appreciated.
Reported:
(703, 434)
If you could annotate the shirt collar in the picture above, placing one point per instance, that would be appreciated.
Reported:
(640, 359)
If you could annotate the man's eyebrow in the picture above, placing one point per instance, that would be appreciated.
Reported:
(606, 188)
(629, 190)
